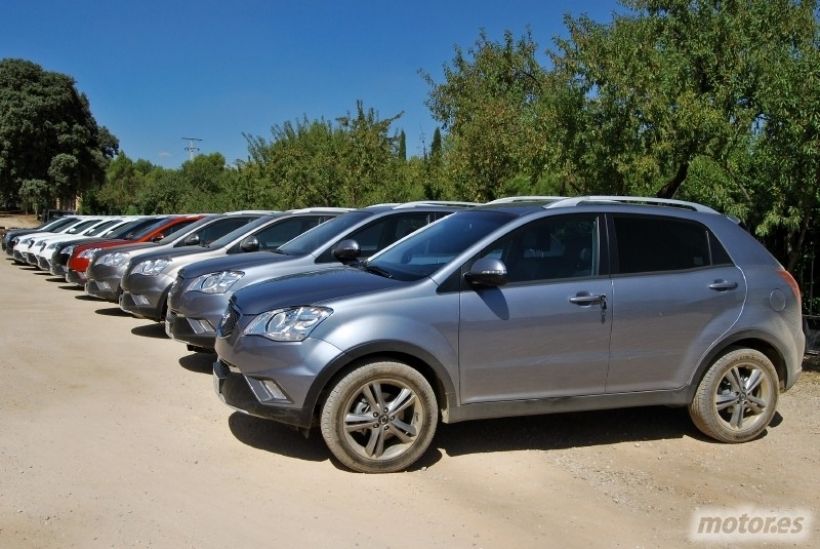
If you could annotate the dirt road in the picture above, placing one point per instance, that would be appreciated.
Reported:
(111, 436)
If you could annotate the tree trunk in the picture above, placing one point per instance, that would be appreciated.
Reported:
(671, 187)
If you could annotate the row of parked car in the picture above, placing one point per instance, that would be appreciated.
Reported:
(375, 324)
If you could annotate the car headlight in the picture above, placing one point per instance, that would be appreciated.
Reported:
(114, 260)
(51, 246)
(216, 283)
(291, 324)
(88, 253)
(152, 267)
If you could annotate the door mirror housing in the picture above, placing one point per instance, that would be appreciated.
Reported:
(347, 251)
(487, 272)
(191, 240)
(249, 244)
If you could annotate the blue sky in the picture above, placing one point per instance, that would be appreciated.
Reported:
(156, 71)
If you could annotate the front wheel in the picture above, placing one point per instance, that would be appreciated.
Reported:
(380, 418)
(737, 396)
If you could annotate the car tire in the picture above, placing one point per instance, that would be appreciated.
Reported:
(380, 417)
(737, 397)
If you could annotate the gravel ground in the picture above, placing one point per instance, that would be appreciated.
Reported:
(111, 436)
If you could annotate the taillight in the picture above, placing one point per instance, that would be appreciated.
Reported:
(789, 279)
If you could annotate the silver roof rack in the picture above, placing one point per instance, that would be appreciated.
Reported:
(262, 212)
(319, 209)
(435, 203)
(513, 199)
(646, 200)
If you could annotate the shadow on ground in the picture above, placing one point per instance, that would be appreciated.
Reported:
(202, 363)
(112, 311)
(546, 432)
(155, 330)
(55, 279)
(72, 287)
(86, 297)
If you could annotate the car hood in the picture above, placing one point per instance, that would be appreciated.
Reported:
(132, 247)
(309, 289)
(233, 262)
(167, 253)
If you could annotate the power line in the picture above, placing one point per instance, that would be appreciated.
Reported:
(192, 147)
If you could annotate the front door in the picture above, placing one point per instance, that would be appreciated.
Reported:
(546, 332)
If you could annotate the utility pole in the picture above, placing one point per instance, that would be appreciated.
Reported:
(192, 147)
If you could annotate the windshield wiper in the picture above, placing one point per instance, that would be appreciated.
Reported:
(376, 270)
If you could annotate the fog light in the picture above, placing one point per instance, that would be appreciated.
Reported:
(103, 285)
(140, 299)
(273, 389)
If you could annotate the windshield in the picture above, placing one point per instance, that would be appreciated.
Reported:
(82, 226)
(437, 244)
(186, 230)
(128, 230)
(102, 226)
(61, 223)
(310, 241)
(240, 231)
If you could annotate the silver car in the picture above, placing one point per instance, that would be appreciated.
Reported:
(582, 304)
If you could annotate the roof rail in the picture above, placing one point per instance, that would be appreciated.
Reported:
(263, 212)
(319, 209)
(512, 199)
(646, 200)
(435, 203)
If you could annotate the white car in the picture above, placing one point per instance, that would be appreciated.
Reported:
(45, 249)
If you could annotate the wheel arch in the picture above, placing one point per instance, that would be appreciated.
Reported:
(748, 339)
(415, 357)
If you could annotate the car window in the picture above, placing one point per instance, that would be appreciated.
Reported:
(102, 227)
(277, 234)
(312, 240)
(651, 244)
(550, 249)
(382, 232)
(177, 227)
(221, 227)
(437, 244)
(82, 226)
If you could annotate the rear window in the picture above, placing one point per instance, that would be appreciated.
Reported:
(657, 244)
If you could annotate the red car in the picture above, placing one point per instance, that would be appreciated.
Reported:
(83, 253)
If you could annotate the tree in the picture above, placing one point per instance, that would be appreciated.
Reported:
(48, 134)
(402, 152)
(486, 105)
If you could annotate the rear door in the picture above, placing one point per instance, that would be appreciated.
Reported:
(676, 292)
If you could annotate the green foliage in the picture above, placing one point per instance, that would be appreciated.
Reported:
(48, 134)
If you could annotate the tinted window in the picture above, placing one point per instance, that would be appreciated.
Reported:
(130, 229)
(277, 234)
(384, 231)
(102, 227)
(174, 228)
(240, 231)
(427, 251)
(82, 226)
(310, 241)
(221, 227)
(650, 244)
(549, 249)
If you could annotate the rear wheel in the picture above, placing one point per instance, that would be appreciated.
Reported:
(737, 396)
(380, 418)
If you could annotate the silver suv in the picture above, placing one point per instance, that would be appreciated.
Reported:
(508, 310)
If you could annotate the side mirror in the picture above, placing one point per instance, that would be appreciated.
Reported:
(192, 240)
(158, 238)
(249, 244)
(487, 272)
(346, 251)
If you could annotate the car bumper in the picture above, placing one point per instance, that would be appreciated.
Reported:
(236, 391)
(145, 296)
(103, 281)
(30, 258)
(75, 277)
(292, 367)
(193, 331)
(44, 263)
(58, 269)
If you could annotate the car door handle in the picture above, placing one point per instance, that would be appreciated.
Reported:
(587, 299)
(722, 285)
